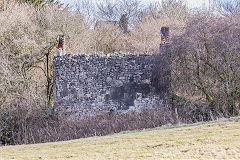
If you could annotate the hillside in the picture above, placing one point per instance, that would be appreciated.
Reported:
(211, 140)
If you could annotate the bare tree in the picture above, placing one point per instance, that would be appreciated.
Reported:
(171, 9)
(207, 62)
(228, 7)
(115, 10)
(87, 9)
(123, 23)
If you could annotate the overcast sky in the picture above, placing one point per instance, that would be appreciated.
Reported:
(190, 3)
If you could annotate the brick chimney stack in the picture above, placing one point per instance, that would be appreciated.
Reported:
(60, 45)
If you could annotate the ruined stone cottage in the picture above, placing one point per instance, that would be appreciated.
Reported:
(87, 85)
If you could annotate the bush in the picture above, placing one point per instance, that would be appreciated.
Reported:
(206, 60)
(23, 124)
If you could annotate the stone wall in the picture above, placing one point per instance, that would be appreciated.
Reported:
(85, 85)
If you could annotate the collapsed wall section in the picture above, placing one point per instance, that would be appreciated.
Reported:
(86, 85)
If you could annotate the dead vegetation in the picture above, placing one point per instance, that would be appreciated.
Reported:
(203, 141)
(204, 52)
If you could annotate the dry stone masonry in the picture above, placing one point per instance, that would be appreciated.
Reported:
(86, 85)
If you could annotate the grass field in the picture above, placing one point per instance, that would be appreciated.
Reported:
(203, 141)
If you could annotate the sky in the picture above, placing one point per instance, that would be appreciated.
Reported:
(190, 3)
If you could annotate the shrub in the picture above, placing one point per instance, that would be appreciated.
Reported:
(24, 124)
(206, 63)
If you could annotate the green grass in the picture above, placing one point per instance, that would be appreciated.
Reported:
(203, 141)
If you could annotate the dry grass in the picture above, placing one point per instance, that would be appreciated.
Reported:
(212, 140)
